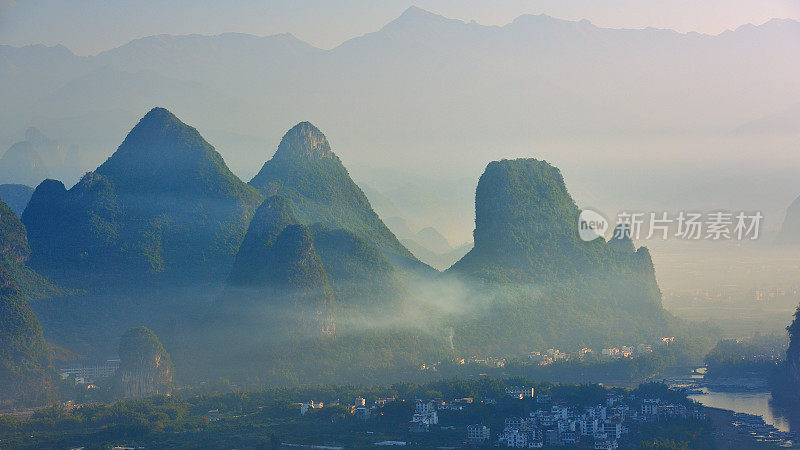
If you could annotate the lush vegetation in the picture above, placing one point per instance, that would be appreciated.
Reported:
(164, 202)
(27, 376)
(535, 274)
(320, 290)
(733, 357)
(311, 177)
(265, 418)
(145, 366)
(786, 379)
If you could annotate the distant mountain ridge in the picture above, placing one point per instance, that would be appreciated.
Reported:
(545, 61)
(22, 164)
(36, 158)
(16, 196)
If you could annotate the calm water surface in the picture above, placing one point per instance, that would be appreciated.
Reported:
(745, 402)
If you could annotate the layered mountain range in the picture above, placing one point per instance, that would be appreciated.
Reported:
(16, 196)
(295, 267)
(37, 157)
(409, 78)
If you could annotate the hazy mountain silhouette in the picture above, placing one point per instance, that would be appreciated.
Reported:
(16, 196)
(410, 78)
(22, 164)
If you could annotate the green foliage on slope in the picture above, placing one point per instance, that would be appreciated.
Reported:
(163, 202)
(313, 180)
(533, 273)
(145, 367)
(27, 376)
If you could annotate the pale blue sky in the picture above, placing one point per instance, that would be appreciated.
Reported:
(90, 26)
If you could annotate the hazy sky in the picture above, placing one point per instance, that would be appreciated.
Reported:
(90, 26)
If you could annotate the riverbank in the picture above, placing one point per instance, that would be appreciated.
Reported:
(728, 435)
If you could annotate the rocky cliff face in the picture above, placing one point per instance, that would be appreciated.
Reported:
(145, 366)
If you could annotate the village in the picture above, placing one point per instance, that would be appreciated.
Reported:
(540, 419)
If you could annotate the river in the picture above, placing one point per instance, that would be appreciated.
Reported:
(749, 402)
(757, 403)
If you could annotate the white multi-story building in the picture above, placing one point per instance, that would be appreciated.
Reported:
(514, 423)
(622, 411)
(589, 426)
(610, 352)
(644, 348)
(560, 412)
(612, 428)
(650, 406)
(362, 412)
(516, 438)
(425, 413)
(478, 433)
(598, 412)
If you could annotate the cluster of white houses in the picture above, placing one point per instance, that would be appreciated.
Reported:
(601, 426)
(359, 407)
(554, 355)
(424, 416)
